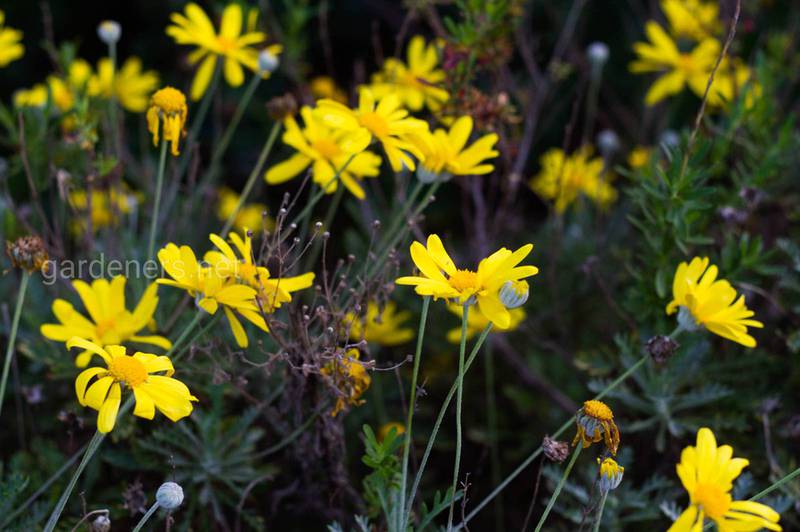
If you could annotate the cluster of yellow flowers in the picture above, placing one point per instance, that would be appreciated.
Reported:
(334, 138)
(685, 54)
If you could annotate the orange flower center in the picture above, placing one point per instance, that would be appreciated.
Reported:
(375, 123)
(598, 410)
(225, 45)
(714, 501)
(327, 148)
(170, 101)
(128, 370)
(686, 64)
(463, 280)
(105, 326)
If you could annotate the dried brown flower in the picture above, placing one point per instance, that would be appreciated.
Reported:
(28, 253)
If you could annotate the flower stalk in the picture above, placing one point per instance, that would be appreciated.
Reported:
(459, 395)
(162, 163)
(12, 337)
(559, 487)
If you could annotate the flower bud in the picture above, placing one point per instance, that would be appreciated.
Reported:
(686, 320)
(426, 175)
(169, 495)
(101, 523)
(267, 62)
(670, 139)
(109, 31)
(514, 294)
(28, 253)
(610, 474)
(607, 143)
(597, 52)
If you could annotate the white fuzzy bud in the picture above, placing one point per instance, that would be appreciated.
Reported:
(597, 52)
(109, 31)
(426, 175)
(607, 143)
(514, 294)
(267, 62)
(169, 495)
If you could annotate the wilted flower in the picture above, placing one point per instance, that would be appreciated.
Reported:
(705, 301)
(555, 450)
(707, 472)
(351, 378)
(441, 279)
(610, 474)
(28, 253)
(169, 495)
(109, 31)
(595, 422)
(109, 322)
(167, 113)
(141, 372)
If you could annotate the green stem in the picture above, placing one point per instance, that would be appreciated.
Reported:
(162, 162)
(439, 419)
(459, 394)
(197, 122)
(12, 337)
(94, 444)
(412, 404)
(600, 512)
(559, 487)
(775, 485)
(262, 158)
(146, 516)
(112, 109)
(535, 454)
(494, 451)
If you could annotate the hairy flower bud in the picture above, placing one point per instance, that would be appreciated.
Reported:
(169, 495)
(597, 53)
(109, 31)
(661, 348)
(28, 253)
(101, 523)
(267, 62)
(607, 143)
(514, 294)
(611, 474)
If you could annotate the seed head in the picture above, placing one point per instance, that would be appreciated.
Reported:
(28, 253)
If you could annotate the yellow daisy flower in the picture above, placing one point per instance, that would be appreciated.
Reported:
(35, 96)
(325, 87)
(109, 322)
(445, 153)
(707, 472)
(384, 429)
(211, 289)
(142, 373)
(381, 325)
(327, 151)
(251, 215)
(231, 44)
(441, 278)
(639, 157)
(415, 82)
(350, 377)
(678, 68)
(11, 47)
(383, 119)
(107, 205)
(563, 177)
(595, 422)
(129, 84)
(167, 112)
(705, 301)
(477, 322)
(693, 19)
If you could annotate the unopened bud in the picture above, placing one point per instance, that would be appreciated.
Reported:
(267, 62)
(597, 52)
(426, 175)
(109, 31)
(610, 474)
(169, 495)
(514, 294)
(607, 143)
(101, 523)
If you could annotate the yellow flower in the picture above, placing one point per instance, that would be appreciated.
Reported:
(325, 87)
(327, 151)
(707, 472)
(441, 278)
(168, 112)
(445, 153)
(678, 68)
(595, 422)
(692, 18)
(129, 84)
(414, 83)
(562, 178)
(251, 215)
(384, 429)
(639, 157)
(271, 292)
(211, 288)
(351, 379)
(142, 373)
(231, 44)
(380, 325)
(107, 205)
(383, 119)
(109, 322)
(610, 474)
(36, 96)
(11, 48)
(477, 322)
(703, 300)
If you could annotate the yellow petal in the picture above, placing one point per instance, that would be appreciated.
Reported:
(108, 412)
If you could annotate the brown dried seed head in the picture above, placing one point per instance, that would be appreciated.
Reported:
(282, 107)
(661, 348)
(28, 253)
(555, 450)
